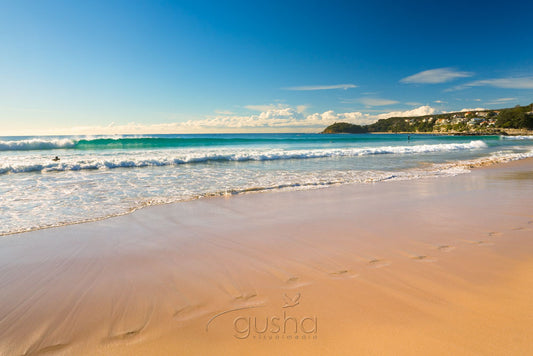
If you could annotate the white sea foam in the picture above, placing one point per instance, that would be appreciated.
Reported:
(517, 137)
(37, 203)
(50, 143)
(136, 159)
(36, 144)
(86, 186)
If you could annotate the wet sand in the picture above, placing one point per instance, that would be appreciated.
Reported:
(433, 266)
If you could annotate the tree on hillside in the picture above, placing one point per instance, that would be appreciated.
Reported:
(512, 118)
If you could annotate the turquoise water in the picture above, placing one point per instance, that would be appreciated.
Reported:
(96, 177)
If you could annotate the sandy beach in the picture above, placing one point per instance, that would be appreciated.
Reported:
(432, 266)
(266, 178)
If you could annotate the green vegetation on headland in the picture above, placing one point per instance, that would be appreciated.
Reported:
(344, 127)
(485, 122)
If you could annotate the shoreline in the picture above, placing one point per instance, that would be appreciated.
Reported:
(440, 265)
(502, 132)
(466, 164)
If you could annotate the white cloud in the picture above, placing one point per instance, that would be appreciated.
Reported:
(476, 109)
(435, 76)
(413, 103)
(508, 83)
(504, 83)
(420, 111)
(329, 117)
(277, 119)
(301, 108)
(502, 100)
(377, 101)
(439, 102)
(322, 87)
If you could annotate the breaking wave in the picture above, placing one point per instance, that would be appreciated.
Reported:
(173, 158)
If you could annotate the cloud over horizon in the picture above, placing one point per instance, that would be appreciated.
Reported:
(377, 101)
(502, 101)
(275, 119)
(435, 76)
(321, 87)
(472, 109)
(504, 83)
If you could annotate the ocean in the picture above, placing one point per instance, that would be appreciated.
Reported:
(103, 176)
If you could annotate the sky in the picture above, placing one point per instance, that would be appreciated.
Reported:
(89, 67)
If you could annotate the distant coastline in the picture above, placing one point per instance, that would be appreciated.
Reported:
(508, 122)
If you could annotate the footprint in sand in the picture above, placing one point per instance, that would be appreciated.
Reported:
(422, 258)
(124, 328)
(445, 248)
(494, 234)
(517, 228)
(246, 296)
(345, 273)
(125, 335)
(249, 300)
(47, 349)
(482, 243)
(294, 282)
(292, 279)
(189, 312)
(378, 263)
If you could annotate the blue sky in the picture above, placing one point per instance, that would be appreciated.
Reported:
(212, 66)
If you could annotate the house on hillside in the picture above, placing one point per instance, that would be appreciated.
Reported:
(475, 121)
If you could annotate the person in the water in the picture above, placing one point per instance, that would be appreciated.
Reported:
(55, 159)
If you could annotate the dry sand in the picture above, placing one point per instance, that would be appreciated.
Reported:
(434, 266)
